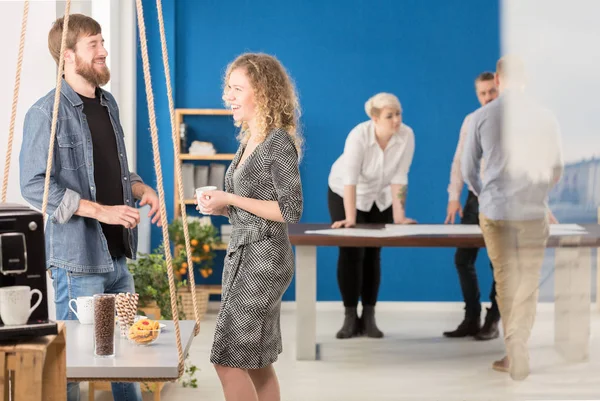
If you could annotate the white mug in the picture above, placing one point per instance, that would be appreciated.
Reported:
(15, 304)
(85, 309)
(199, 192)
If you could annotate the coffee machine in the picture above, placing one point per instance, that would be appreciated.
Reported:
(23, 263)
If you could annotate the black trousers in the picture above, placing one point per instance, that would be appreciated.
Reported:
(465, 265)
(358, 269)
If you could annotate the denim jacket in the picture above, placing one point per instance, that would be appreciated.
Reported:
(73, 242)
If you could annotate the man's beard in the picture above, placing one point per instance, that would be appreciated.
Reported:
(91, 74)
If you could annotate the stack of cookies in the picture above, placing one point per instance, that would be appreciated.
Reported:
(144, 331)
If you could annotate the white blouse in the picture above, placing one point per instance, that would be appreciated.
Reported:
(372, 169)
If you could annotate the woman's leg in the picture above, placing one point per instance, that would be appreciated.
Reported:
(372, 275)
(349, 272)
(236, 383)
(266, 383)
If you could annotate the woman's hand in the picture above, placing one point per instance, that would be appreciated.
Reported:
(343, 224)
(405, 220)
(214, 202)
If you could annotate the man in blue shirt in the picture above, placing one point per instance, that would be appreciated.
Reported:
(520, 142)
(91, 228)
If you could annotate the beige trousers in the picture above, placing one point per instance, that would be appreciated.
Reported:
(516, 250)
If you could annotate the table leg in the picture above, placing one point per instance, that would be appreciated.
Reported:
(306, 303)
(598, 270)
(572, 302)
(91, 391)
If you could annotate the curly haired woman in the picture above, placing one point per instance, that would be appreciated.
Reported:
(262, 194)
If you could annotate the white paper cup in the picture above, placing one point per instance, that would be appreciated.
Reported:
(199, 192)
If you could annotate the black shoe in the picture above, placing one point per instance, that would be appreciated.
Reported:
(468, 327)
(490, 330)
(350, 328)
(368, 326)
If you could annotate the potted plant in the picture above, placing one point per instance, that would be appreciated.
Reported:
(203, 238)
(151, 280)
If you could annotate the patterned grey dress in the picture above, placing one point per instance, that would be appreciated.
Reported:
(259, 264)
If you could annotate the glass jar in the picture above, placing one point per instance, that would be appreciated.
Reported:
(104, 325)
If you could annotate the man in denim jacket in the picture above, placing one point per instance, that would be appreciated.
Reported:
(92, 219)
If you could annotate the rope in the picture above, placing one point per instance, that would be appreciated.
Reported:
(178, 175)
(61, 64)
(159, 179)
(13, 115)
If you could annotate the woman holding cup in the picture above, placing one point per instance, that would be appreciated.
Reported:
(199, 192)
(263, 193)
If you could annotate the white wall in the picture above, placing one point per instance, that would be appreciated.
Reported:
(37, 77)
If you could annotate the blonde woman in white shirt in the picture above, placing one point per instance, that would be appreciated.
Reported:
(368, 184)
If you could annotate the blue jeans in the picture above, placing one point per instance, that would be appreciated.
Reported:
(69, 286)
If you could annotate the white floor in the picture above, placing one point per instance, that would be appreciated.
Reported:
(412, 362)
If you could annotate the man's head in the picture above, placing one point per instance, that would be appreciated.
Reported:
(510, 73)
(485, 88)
(85, 54)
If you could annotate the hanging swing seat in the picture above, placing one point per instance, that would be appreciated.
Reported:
(156, 362)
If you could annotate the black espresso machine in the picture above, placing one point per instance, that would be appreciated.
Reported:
(23, 262)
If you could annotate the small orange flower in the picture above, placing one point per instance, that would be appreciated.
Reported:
(194, 242)
(196, 259)
(204, 273)
(184, 265)
(182, 271)
(206, 248)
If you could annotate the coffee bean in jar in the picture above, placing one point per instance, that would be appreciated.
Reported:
(104, 325)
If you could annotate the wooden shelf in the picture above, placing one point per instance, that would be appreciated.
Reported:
(203, 112)
(218, 156)
(179, 116)
(220, 247)
(213, 289)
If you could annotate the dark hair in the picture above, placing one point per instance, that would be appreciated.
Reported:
(485, 76)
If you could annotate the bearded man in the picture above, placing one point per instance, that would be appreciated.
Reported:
(92, 216)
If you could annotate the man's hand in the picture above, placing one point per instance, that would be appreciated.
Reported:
(125, 216)
(149, 197)
(453, 208)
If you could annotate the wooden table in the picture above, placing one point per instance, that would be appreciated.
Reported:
(573, 263)
(148, 363)
(34, 369)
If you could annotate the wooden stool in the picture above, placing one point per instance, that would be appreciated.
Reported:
(35, 369)
(154, 387)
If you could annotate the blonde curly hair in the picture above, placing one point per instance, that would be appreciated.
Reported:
(275, 97)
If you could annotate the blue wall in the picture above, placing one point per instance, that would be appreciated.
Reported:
(340, 53)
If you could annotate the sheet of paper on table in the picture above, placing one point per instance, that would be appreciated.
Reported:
(352, 232)
(401, 230)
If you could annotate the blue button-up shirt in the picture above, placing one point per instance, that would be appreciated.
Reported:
(520, 142)
(73, 242)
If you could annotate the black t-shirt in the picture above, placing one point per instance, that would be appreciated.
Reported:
(107, 169)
